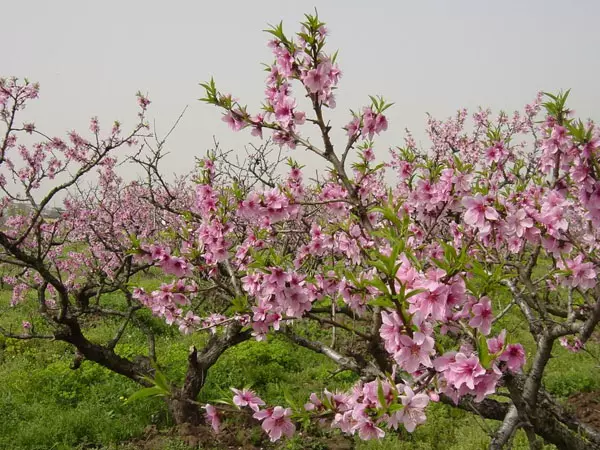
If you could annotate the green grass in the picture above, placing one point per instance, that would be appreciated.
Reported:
(44, 404)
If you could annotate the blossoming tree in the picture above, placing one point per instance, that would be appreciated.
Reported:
(72, 262)
(78, 264)
(504, 214)
(411, 279)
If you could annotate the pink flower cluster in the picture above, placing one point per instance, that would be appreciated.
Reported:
(294, 60)
(212, 238)
(276, 421)
(279, 294)
(459, 373)
(321, 81)
(245, 397)
(580, 274)
(268, 207)
(479, 213)
(572, 344)
(161, 255)
(367, 125)
(370, 407)
(343, 244)
(462, 373)
(167, 301)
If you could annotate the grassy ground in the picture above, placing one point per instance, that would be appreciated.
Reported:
(46, 405)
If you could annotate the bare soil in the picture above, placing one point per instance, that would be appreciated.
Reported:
(586, 406)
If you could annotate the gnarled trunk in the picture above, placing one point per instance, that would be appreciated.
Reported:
(103, 355)
(182, 404)
(550, 421)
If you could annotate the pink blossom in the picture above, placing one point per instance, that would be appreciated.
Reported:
(234, 123)
(372, 123)
(18, 293)
(432, 302)
(368, 154)
(143, 101)
(257, 126)
(368, 430)
(414, 352)
(381, 123)
(482, 316)
(353, 128)
(276, 422)
(581, 274)
(572, 344)
(413, 413)
(248, 398)
(390, 330)
(318, 79)
(514, 355)
(188, 323)
(176, 266)
(486, 384)
(212, 415)
(314, 403)
(284, 109)
(496, 152)
(464, 371)
(518, 223)
(159, 253)
(496, 344)
(478, 212)
(299, 117)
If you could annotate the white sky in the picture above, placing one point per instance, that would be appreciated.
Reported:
(427, 56)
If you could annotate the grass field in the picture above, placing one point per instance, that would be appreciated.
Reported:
(44, 404)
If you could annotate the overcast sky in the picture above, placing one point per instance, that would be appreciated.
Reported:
(426, 56)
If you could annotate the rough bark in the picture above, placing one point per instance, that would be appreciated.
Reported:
(552, 423)
(182, 404)
(71, 333)
(367, 370)
(488, 408)
(549, 420)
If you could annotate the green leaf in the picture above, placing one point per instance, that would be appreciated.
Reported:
(134, 240)
(395, 407)
(379, 265)
(441, 264)
(413, 293)
(327, 402)
(239, 304)
(381, 395)
(382, 301)
(290, 401)
(153, 391)
(161, 381)
(396, 250)
(484, 354)
(378, 283)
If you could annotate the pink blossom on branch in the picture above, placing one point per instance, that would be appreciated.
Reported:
(276, 422)
(212, 415)
(413, 411)
(247, 398)
(482, 316)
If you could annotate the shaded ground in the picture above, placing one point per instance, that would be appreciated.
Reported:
(231, 437)
(194, 437)
(586, 406)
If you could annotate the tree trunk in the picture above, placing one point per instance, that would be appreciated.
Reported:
(551, 422)
(183, 404)
(103, 355)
